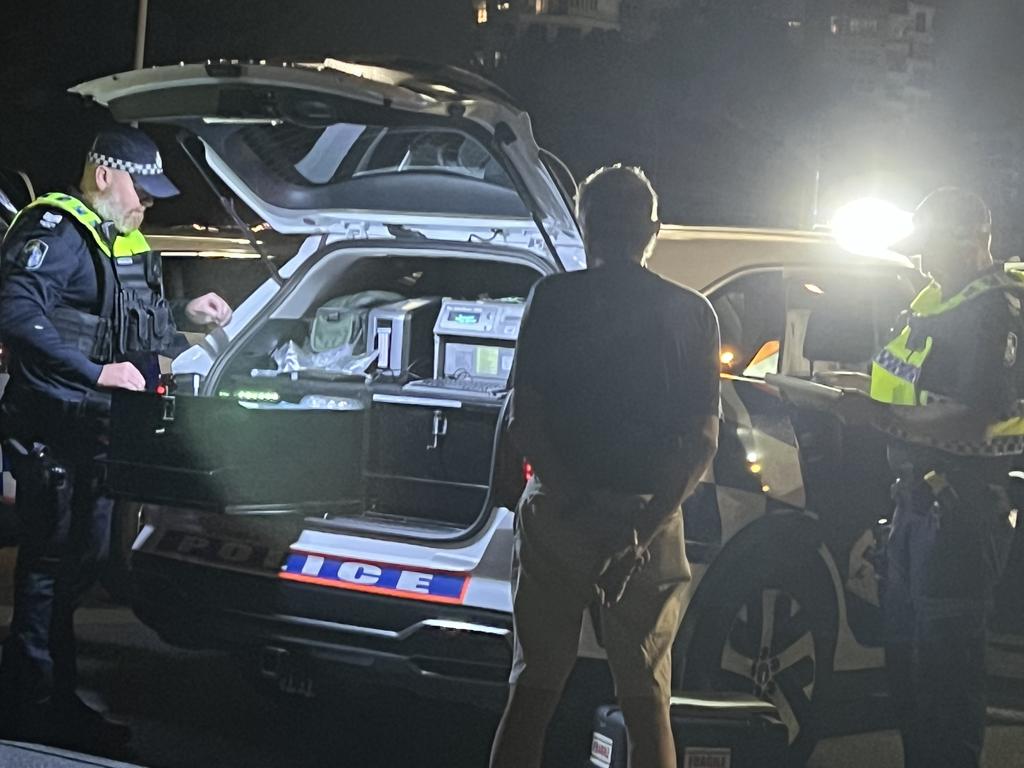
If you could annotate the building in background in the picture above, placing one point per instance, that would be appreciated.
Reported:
(879, 56)
(505, 24)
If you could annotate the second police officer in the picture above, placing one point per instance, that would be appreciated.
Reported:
(946, 392)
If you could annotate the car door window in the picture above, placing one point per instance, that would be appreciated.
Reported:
(751, 318)
(836, 321)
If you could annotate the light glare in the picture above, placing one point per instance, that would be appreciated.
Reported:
(870, 226)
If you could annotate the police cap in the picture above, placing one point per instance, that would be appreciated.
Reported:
(948, 212)
(129, 149)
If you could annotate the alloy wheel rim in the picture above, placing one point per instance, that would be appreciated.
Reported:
(769, 651)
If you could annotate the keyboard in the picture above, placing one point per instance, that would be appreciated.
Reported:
(468, 386)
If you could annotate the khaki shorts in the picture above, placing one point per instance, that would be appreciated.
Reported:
(561, 541)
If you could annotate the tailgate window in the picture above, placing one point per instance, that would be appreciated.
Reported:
(352, 166)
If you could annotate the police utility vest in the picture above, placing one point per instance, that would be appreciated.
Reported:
(132, 314)
(896, 370)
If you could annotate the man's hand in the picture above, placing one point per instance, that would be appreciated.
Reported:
(614, 573)
(121, 376)
(208, 309)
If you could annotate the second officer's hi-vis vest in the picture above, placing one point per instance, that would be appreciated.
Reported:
(896, 370)
(131, 315)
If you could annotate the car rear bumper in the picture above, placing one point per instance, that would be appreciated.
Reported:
(441, 651)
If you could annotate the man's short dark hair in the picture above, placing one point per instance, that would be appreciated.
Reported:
(617, 207)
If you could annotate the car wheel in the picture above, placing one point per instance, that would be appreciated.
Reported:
(773, 637)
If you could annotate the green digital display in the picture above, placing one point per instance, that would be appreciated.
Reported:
(486, 361)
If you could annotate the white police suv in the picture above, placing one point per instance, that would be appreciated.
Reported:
(319, 485)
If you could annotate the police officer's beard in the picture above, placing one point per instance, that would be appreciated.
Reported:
(124, 221)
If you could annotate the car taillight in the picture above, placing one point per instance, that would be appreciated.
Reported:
(527, 471)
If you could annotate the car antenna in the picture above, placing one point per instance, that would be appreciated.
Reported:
(229, 207)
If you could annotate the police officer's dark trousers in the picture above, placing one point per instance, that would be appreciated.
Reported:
(64, 539)
(945, 554)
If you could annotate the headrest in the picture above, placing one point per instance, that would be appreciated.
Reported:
(840, 333)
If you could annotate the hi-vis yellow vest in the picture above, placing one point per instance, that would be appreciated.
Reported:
(132, 314)
(130, 244)
(896, 370)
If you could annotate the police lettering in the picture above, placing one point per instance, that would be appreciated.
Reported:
(218, 550)
(359, 573)
(382, 578)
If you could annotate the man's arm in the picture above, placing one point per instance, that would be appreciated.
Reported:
(693, 464)
(531, 439)
(697, 407)
(528, 429)
(941, 422)
(201, 312)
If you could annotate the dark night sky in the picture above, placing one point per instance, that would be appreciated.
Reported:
(47, 47)
(705, 109)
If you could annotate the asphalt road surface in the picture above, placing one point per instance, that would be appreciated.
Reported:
(192, 709)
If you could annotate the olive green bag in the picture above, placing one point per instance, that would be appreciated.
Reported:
(343, 320)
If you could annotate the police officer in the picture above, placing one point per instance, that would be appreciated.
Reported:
(80, 296)
(946, 391)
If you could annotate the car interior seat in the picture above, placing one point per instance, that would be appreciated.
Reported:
(842, 335)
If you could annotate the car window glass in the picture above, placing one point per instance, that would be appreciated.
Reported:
(836, 321)
(751, 318)
(353, 166)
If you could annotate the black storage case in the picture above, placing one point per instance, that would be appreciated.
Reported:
(214, 452)
(711, 731)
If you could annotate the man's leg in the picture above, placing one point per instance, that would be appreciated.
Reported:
(90, 543)
(547, 632)
(651, 743)
(547, 615)
(968, 557)
(44, 512)
(950, 683)
(519, 740)
(639, 632)
(898, 616)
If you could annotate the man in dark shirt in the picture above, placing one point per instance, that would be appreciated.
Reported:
(946, 390)
(616, 406)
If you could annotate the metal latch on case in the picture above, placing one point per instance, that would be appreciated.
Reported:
(438, 430)
(167, 413)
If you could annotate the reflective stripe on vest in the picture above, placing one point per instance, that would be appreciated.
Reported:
(896, 370)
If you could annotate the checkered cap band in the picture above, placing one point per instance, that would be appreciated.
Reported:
(136, 169)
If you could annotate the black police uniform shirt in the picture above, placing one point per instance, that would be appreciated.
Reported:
(976, 350)
(975, 361)
(45, 263)
(625, 365)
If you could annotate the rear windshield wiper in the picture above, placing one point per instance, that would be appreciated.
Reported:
(228, 204)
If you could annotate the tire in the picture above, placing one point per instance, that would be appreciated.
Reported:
(771, 633)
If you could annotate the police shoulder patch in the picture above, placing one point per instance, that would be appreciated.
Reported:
(1010, 353)
(33, 254)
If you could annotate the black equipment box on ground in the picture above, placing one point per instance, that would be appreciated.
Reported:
(711, 731)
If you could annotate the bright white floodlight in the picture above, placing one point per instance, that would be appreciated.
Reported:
(870, 226)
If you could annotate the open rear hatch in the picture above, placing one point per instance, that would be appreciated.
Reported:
(361, 151)
(367, 155)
